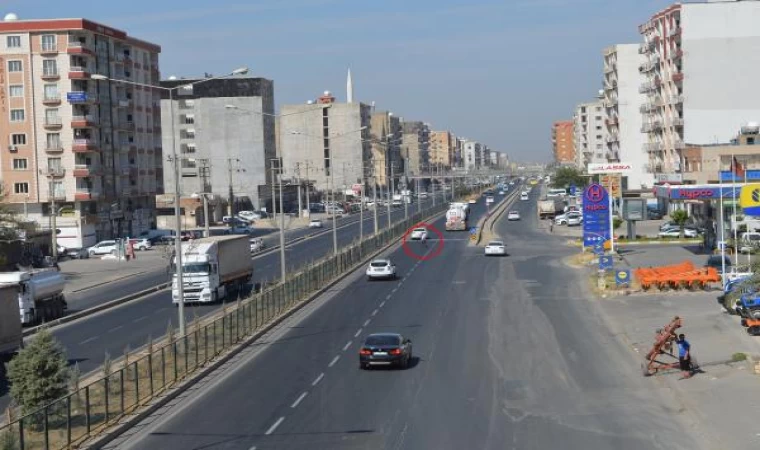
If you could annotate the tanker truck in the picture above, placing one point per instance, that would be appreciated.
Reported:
(11, 336)
(40, 294)
(456, 219)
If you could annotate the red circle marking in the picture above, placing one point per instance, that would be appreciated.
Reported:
(412, 254)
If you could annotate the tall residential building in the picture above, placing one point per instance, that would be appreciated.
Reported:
(326, 142)
(485, 156)
(91, 147)
(415, 147)
(442, 146)
(701, 78)
(472, 156)
(224, 132)
(623, 104)
(385, 148)
(459, 152)
(590, 133)
(563, 142)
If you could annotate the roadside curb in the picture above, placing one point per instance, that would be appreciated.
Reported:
(159, 402)
(113, 280)
(493, 217)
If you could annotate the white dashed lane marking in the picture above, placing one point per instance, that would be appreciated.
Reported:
(358, 332)
(374, 313)
(88, 340)
(382, 303)
(348, 344)
(274, 426)
(318, 379)
(299, 399)
(366, 322)
(334, 360)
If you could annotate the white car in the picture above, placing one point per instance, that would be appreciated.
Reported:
(574, 220)
(141, 244)
(381, 268)
(249, 215)
(257, 245)
(524, 196)
(513, 215)
(676, 232)
(501, 192)
(472, 201)
(496, 248)
(418, 234)
(315, 223)
(102, 248)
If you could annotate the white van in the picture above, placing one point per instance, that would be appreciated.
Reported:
(551, 193)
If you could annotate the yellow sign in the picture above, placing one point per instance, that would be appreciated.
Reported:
(749, 199)
(616, 180)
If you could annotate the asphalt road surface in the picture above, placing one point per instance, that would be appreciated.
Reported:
(133, 324)
(509, 354)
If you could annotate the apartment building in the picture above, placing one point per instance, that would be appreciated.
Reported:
(415, 147)
(458, 156)
(623, 105)
(472, 156)
(590, 133)
(224, 132)
(326, 142)
(563, 142)
(78, 134)
(385, 148)
(712, 163)
(442, 147)
(701, 79)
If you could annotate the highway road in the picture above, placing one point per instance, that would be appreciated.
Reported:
(132, 324)
(510, 353)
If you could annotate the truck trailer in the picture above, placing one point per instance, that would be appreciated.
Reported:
(11, 336)
(456, 219)
(212, 267)
(549, 208)
(40, 294)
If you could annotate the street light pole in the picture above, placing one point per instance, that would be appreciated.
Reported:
(205, 215)
(333, 208)
(374, 196)
(390, 196)
(283, 271)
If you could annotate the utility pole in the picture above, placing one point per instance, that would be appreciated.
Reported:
(333, 208)
(417, 183)
(283, 270)
(298, 178)
(390, 195)
(53, 224)
(231, 194)
(374, 196)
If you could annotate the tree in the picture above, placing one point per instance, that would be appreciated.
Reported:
(680, 217)
(39, 373)
(565, 176)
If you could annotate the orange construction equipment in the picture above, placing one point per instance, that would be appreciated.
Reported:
(663, 346)
(683, 275)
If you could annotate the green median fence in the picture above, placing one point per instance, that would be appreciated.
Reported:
(142, 375)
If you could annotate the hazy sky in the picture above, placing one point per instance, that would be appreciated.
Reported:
(496, 71)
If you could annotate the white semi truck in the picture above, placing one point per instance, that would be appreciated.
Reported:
(212, 267)
(40, 294)
(11, 337)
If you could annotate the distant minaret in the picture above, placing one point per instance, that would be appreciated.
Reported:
(349, 88)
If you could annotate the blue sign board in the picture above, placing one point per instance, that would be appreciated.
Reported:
(623, 277)
(751, 175)
(573, 189)
(473, 230)
(605, 263)
(596, 215)
(599, 248)
(76, 97)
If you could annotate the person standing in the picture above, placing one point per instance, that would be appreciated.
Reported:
(684, 356)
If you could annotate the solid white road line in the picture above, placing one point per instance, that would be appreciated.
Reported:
(358, 332)
(334, 360)
(298, 400)
(348, 344)
(274, 426)
(319, 378)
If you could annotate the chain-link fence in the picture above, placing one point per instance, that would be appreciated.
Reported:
(140, 377)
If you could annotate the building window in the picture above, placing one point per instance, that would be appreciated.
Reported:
(49, 67)
(51, 116)
(14, 66)
(51, 92)
(48, 42)
(53, 140)
(20, 164)
(16, 90)
(18, 139)
(54, 164)
(17, 115)
(13, 42)
(20, 188)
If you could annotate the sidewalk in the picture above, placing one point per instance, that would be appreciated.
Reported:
(87, 273)
(724, 399)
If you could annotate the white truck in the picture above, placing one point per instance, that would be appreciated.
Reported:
(212, 267)
(40, 294)
(456, 219)
(11, 337)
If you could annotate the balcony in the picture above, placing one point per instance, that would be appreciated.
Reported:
(611, 121)
(79, 48)
(54, 147)
(643, 49)
(674, 32)
(127, 191)
(84, 146)
(609, 68)
(676, 54)
(84, 121)
(84, 194)
(52, 123)
(675, 99)
(49, 48)
(678, 122)
(677, 77)
(86, 170)
(79, 73)
(656, 125)
(126, 125)
(613, 137)
(679, 145)
(51, 100)
(124, 103)
(50, 75)
(55, 172)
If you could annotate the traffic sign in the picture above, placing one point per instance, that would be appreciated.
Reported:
(623, 277)
(596, 220)
(473, 230)
(605, 263)
(573, 189)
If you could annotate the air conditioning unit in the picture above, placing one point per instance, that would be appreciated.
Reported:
(12, 149)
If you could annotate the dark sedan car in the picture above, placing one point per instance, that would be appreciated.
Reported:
(385, 349)
(715, 262)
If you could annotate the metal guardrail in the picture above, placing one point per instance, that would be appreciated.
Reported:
(139, 378)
